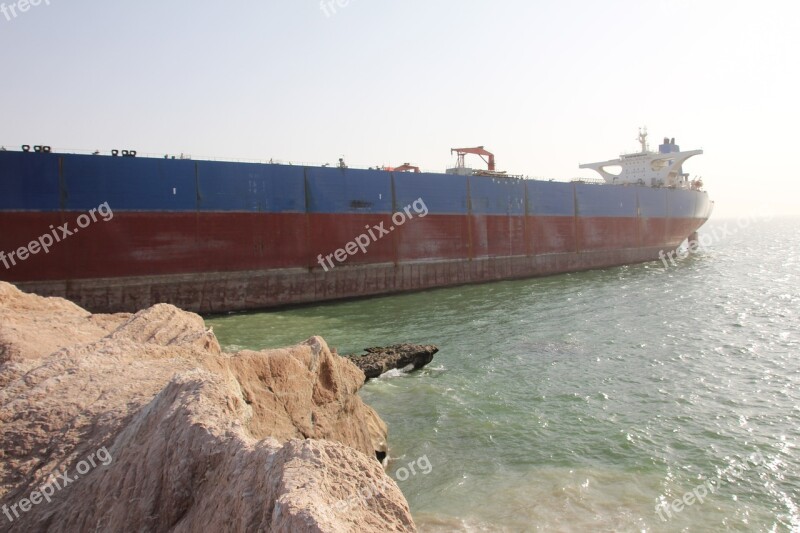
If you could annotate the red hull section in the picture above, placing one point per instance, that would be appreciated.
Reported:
(499, 236)
(607, 233)
(213, 262)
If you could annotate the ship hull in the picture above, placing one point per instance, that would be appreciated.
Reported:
(214, 237)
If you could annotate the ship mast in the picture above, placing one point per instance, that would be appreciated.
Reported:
(643, 139)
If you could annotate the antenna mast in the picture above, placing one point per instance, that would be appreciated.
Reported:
(643, 139)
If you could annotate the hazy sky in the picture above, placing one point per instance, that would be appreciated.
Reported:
(546, 85)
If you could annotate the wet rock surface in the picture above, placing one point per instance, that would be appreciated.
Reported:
(379, 360)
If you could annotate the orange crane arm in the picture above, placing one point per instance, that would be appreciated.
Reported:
(479, 150)
(406, 166)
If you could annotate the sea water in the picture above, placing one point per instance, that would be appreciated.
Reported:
(651, 397)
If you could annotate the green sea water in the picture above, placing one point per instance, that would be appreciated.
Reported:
(587, 401)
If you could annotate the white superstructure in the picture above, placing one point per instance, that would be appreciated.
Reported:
(654, 169)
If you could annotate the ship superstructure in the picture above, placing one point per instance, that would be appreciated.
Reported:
(654, 169)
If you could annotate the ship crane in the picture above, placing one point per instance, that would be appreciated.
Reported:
(406, 167)
(483, 153)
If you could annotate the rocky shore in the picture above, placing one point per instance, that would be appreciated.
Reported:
(140, 422)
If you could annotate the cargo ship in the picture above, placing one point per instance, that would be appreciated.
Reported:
(121, 232)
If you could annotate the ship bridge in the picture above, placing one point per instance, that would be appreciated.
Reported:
(655, 169)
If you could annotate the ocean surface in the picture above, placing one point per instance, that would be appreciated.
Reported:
(591, 401)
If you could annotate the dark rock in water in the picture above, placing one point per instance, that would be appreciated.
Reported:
(382, 359)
